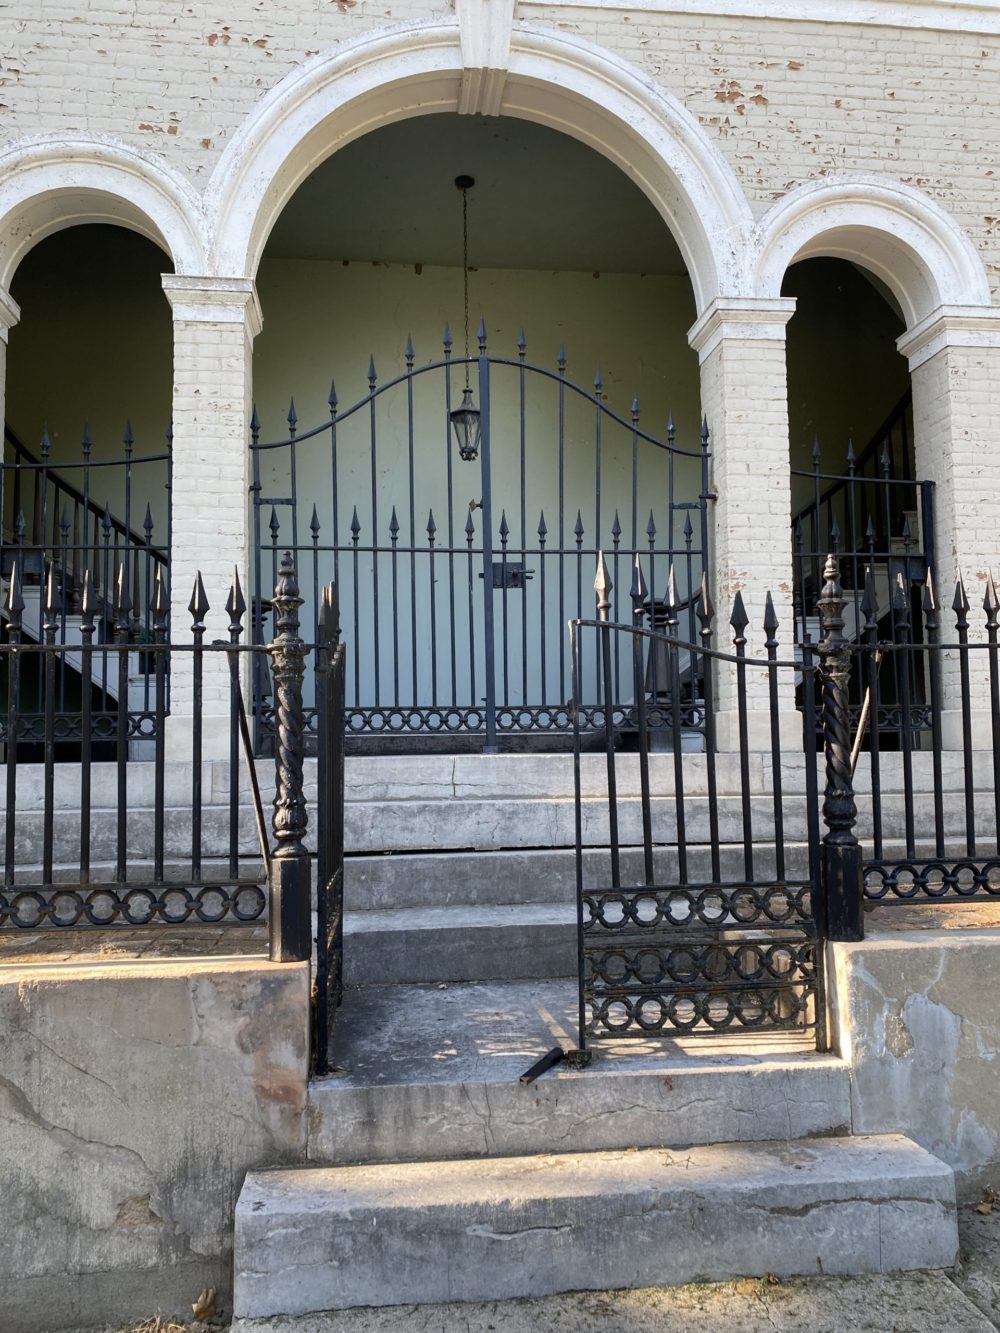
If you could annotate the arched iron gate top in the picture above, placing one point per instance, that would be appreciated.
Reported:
(457, 624)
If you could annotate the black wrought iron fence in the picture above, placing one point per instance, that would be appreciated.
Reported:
(934, 794)
(700, 951)
(180, 838)
(86, 565)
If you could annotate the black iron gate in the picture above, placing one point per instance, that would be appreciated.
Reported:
(459, 507)
(717, 895)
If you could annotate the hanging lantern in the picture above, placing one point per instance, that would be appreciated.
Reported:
(465, 419)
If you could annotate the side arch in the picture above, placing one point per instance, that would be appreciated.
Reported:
(52, 183)
(556, 80)
(894, 230)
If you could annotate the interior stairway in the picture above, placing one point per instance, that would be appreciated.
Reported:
(434, 1173)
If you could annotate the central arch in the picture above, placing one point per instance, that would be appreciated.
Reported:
(559, 81)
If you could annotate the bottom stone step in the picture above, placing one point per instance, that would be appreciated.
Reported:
(331, 1238)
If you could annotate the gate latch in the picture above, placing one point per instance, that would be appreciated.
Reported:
(508, 575)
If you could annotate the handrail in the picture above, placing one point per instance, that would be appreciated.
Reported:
(897, 414)
(132, 537)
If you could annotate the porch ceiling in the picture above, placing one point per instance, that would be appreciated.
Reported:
(541, 201)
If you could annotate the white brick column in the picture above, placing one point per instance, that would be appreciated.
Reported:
(215, 322)
(740, 343)
(10, 313)
(954, 357)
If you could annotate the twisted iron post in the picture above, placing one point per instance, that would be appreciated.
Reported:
(291, 877)
(843, 881)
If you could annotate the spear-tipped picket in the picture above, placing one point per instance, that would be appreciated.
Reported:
(408, 354)
(671, 601)
(292, 419)
(578, 528)
(431, 527)
(543, 530)
(770, 625)
(739, 620)
(960, 603)
(561, 359)
(235, 607)
(394, 526)
(254, 425)
(52, 606)
(470, 527)
(602, 587)
(928, 600)
(198, 605)
(331, 398)
(522, 345)
(123, 604)
(160, 606)
(598, 384)
(89, 603)
(651, 529)
(446, 341)
(106, 522)
(19, 528)
(706, 611)
(616, 531)
(688, 530)
(638, 591)
(314, 525)
(991, 602)
(816, 453)
(835, 537)
(147, 526)
(128, 439)
(671, 429)
(885, 461)
(635, 409)
(274, 525)
(87, 443)
(355, 526)
(372, 376)
(706, 434)
(504, 527)
(15, 603)
(46, 444)
(907, 533)
(481, 335)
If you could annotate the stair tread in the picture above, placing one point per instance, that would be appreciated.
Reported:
(459, 917)
(859, 1164)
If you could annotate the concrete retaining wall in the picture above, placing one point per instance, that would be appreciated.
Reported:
(919, 1021)
(133, 1099)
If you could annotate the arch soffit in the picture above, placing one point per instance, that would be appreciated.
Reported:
(894, 230)
(49, 184)
(415, 69)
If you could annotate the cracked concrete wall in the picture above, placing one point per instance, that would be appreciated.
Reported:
(133, 1099)
(919, 1020)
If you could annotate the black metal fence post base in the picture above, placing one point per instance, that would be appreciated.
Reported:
(844, 878)
(290, 924)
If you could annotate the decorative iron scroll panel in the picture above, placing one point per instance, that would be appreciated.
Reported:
(689, 931)
(456, 578)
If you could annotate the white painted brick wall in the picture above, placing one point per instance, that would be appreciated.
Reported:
(175, 77)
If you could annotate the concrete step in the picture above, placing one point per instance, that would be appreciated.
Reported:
(488, 825)
(326, 1238)
(432, 944)
(428, 1072)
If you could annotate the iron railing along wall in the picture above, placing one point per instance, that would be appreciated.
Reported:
(935, 812)
(57, 521)
(456, 578)
(879, 519)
